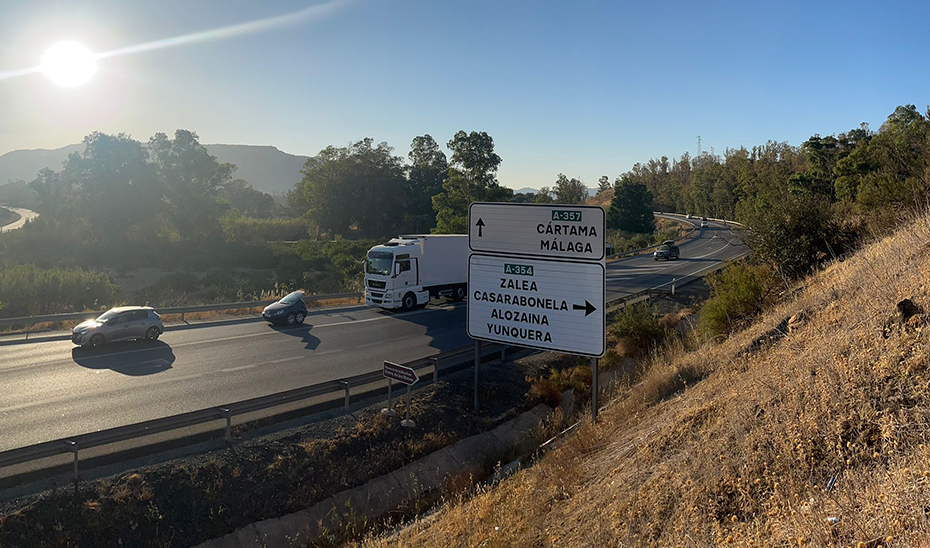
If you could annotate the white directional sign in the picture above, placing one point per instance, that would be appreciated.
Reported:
(538, 230)
(546, 304)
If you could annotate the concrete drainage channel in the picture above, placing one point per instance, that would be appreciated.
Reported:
(516, 438)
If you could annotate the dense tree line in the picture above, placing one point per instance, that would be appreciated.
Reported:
(801, 204)
(120, 189)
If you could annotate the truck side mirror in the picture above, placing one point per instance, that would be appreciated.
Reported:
(396, 269)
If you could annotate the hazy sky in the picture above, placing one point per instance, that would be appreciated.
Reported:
(581, 87)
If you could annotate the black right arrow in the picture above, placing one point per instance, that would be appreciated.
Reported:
(588, 307)
(480, 225)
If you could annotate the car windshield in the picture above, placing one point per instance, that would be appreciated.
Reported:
(379, 262)
(108, 315)
(292, 298)
(663, 248)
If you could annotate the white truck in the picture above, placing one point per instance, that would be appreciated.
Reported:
(409, 270)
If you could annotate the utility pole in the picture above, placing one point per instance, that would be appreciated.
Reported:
(699, 145)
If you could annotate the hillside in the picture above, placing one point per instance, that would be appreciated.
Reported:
(265, 167)
(808, 431)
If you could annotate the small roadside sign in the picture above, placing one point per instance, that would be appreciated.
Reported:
(546, 231)
(400, 373)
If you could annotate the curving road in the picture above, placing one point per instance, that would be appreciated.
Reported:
(52, 389)
(25, 215)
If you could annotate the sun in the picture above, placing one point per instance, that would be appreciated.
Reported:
(69, 64)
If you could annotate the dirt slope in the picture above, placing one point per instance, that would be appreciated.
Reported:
(818, 437)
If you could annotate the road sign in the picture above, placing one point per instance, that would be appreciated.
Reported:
(546, 304)
(537, 230)
(400, 373)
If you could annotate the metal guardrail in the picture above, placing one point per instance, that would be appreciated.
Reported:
(182, 310)
(74, 444)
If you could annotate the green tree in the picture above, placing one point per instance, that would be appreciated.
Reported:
(544, 196)
(428, 168)
(570, 191)
(361, 186)
(248, 201)
(118, 192)
(190, 179)
(52, 194)
(630, 208)
(472, 178)
(603, 184)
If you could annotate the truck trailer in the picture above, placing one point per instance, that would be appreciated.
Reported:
(408, 271)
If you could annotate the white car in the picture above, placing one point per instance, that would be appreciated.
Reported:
(689, 216)
(703, 224)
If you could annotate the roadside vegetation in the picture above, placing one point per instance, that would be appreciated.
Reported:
(807, 425)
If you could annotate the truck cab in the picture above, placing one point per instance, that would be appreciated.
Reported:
(407, 271)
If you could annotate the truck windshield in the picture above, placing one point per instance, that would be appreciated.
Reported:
(379, 262)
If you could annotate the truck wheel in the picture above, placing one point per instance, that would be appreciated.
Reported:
(410, 301)
(459, 293)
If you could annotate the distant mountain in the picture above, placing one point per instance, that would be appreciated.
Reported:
(24, 164)
(524, 190)
(265, 167)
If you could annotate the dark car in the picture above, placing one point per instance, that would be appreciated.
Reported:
(291, 310)
(668, 251)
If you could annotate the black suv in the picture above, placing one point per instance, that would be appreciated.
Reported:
(668, 251)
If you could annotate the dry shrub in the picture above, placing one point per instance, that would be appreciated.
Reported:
(818, 439)
(669, 321)
(464, 480)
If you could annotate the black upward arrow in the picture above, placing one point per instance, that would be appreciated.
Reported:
(480, 225)
(588, 307)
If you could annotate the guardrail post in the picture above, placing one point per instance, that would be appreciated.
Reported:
(673, 286)
(74, 449)
(347, 386)
(182, 317)
(228, 415)
(503, 355)
(435, 360)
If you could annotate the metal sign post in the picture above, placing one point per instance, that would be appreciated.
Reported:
(389, 410)
(477, 371)
(594, 390)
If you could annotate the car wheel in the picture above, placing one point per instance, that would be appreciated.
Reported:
(300, 317)
(459, 293)
(152, 334)
(95, 341)
(410, 301)
(656, 258)
(291, 318)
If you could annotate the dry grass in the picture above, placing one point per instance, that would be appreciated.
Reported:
(818, 439)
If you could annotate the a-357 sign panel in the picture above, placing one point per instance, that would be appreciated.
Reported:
(546, 304)
(538, 230)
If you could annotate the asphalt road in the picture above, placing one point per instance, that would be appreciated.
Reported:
(25, 215)
(52, 389)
